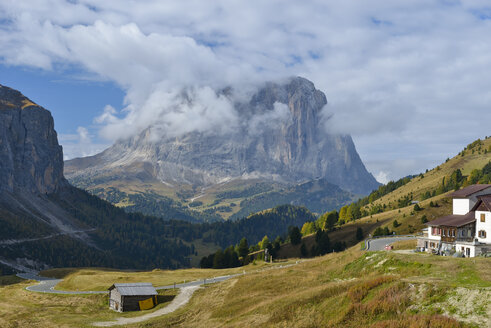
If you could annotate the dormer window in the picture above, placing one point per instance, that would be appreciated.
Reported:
(483, 217)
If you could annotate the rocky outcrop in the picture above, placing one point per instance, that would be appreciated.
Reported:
(281, 137)
(30, 157)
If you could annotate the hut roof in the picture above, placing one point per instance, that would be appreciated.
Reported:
(140, 288)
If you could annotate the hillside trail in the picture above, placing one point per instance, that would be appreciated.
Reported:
(180, 300)
(186, 291)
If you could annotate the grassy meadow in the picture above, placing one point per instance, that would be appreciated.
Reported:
(346, 289)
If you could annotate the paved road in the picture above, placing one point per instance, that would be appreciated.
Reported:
(186, 290)
(378, 244)
(47, 285)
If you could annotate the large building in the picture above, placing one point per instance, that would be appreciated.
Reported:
(132, 297)
(468, 230)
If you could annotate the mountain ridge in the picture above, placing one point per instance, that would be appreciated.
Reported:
(281, 139)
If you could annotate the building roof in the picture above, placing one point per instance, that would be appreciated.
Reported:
(454, 220)
(140, 288)
(468, 191)
(483, 203)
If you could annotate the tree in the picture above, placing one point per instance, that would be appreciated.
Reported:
(331, 219)
(395, 224)
(308, 228)
(359, 233)
(342, 214)
(277, 243)
(424, 219)
(417, 208)
(264, 242)
(243, 248)
(303, 250)
(219, 260)
(381, 231)
(295, 236)
(322, 241)
(231, 259)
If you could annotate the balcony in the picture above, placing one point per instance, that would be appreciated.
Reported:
(465, 239)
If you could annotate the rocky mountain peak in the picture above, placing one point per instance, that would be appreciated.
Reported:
(281, 138)
(30, 157)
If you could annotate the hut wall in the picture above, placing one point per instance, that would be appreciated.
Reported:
(115, 299)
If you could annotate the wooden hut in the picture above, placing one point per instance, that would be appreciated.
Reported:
(132, 297)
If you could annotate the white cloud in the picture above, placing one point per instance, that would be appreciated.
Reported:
(80, 144)
(382, 177)
(397, 74)
(270, 119)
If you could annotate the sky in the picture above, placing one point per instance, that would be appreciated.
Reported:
(408, 80)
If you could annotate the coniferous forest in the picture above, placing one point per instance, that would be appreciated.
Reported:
(137, 241)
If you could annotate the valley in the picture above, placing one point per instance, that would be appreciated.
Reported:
(351, 288)
(72, 234)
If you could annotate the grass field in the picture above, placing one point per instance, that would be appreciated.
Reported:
(102, 279)
(347, 289)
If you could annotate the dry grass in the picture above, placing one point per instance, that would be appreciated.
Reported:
(346, 289)
(331, 291)
(102, 279)
(27, 103)
(405, 244)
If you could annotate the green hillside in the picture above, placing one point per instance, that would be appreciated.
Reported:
(431, 188)
(347, 289)
(403, 206)
(233, 199)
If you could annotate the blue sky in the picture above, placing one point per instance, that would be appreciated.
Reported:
(72, 99)
(407, 79)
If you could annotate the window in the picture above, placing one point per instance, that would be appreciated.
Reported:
(483, 217)
(482, 234)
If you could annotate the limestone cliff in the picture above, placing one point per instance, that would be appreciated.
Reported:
(30, 157)
(281, 137)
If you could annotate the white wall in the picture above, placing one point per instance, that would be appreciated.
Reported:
(458, 248)
(486, 226)
(462, 206)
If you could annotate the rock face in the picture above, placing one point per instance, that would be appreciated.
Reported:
(280, 138)
(30, 157)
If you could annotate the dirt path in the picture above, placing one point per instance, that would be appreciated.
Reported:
(9, 242)
(180, 300)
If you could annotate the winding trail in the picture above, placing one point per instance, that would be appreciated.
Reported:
(186, 291)
(180, 300)
(9, 242)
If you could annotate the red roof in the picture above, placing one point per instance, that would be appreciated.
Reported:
(454, 220)
(468, 191)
